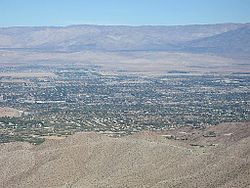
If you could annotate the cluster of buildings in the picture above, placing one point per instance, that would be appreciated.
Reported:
(120, 104)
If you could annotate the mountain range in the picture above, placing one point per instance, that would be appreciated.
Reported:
(221, 39)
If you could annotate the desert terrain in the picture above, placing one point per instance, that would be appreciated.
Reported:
(219, 48)
(9, 112)
(216, 156)
(165, 93)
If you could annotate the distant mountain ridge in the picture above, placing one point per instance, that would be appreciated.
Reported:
(231, 42)
(222, 39)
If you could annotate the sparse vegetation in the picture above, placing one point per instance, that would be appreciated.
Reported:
(144, 159)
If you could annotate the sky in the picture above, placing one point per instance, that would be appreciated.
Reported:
(122, 12)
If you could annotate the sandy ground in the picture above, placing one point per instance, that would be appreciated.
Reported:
(146, 159)
(9, 112)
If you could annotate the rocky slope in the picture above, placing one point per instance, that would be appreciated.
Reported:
(146, 159)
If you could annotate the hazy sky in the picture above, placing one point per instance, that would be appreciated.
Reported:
(122, 12)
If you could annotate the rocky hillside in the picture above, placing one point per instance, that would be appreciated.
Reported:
(211, 157)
